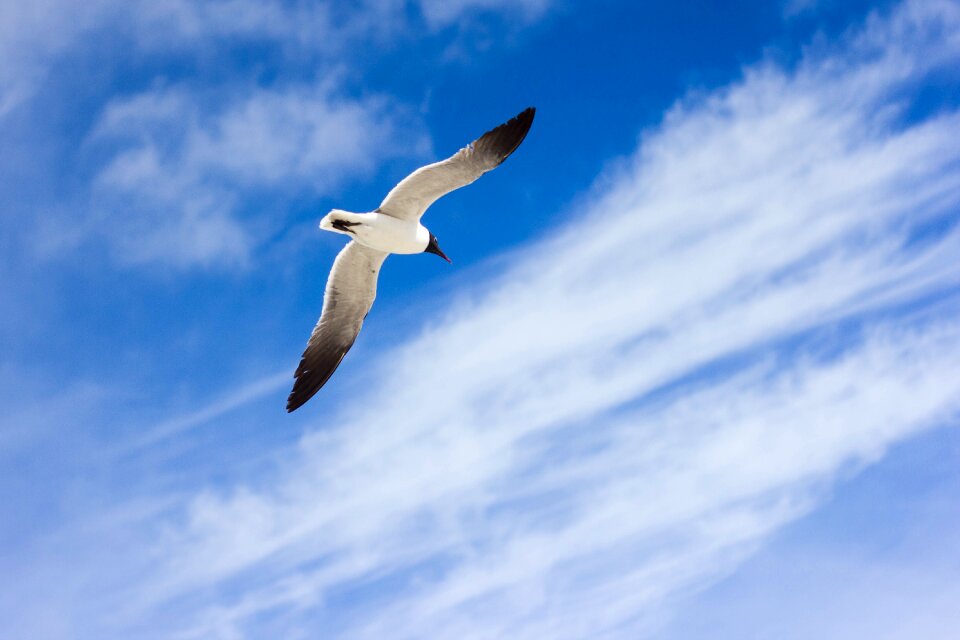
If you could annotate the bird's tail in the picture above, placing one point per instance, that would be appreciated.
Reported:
(338, 221)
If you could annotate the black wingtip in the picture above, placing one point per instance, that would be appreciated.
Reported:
(294, 402)
(504, 139)
(520, 123)
(309, 380)
(518, 128)
(298, 398)
(303, 390)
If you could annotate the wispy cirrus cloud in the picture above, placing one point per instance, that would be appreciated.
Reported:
(759, 301)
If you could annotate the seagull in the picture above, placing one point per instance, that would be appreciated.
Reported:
(394, 227)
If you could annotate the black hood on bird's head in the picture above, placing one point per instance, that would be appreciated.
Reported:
(434, 248)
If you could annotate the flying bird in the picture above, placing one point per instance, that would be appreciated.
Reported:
(394, 227)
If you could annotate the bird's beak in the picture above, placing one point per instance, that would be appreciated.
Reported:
(436, 251)
(434, 248)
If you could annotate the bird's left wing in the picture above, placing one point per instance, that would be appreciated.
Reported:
(409, 199)
(351, 289)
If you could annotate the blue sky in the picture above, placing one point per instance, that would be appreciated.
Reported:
(692, 374)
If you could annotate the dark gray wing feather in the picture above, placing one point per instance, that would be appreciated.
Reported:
(409, 199)
(351, 289)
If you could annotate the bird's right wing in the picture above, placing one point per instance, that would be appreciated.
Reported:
(409, 199)
(351, 289)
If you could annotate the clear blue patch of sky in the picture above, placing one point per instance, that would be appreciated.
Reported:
(875, 554)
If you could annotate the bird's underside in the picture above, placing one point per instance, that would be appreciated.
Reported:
(352, 284)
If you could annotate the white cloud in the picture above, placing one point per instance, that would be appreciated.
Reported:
(170, 192)
(180, 23)
(189, 160)
(556, 529)
(639, 400)
(35, 36)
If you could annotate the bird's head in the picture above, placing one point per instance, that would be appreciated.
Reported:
(434, 248)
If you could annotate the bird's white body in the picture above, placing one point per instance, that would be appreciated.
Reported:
(379, 231)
